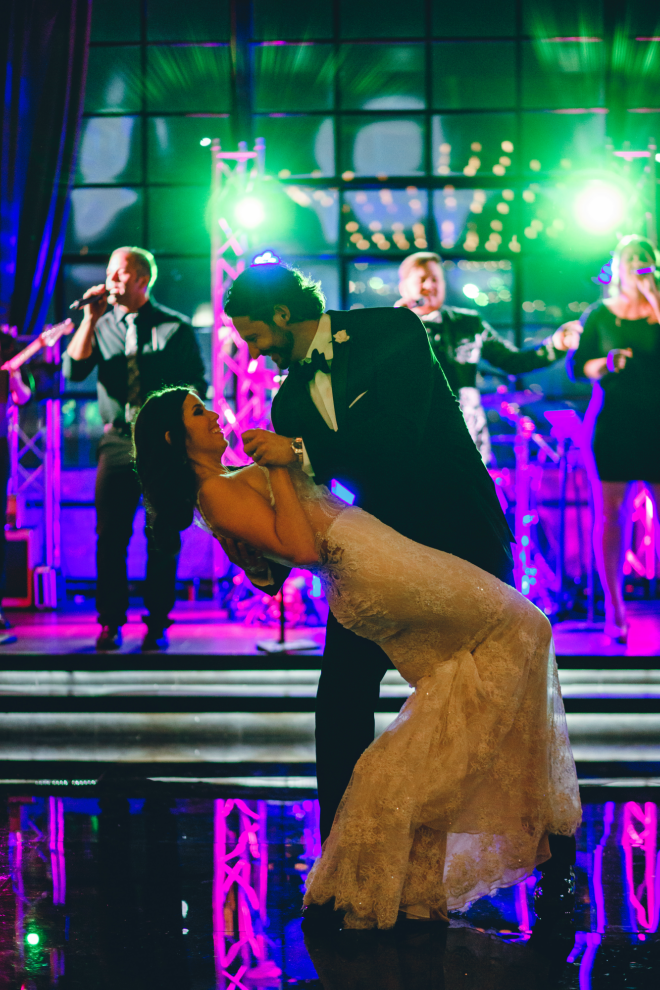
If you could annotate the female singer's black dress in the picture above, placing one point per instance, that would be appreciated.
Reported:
(627, 435)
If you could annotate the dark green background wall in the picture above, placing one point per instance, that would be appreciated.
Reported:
(466, 128)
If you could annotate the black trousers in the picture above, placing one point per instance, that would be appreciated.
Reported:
(117, 497)
(348, 692)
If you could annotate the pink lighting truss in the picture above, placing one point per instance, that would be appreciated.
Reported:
(242, 387)
(640, 832)
(240, 884)
(35, 466)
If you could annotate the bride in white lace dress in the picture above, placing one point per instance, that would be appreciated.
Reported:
(457, 797)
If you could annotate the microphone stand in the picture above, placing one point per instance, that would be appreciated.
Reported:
(281, 645)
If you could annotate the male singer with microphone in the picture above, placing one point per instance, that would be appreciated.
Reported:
(138, 346)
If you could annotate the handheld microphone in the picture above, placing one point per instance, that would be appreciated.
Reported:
(81, 303)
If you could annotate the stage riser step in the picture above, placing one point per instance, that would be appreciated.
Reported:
(278, 690)
(241, 737)
(259, 681)
(89, 660)
(283, 704)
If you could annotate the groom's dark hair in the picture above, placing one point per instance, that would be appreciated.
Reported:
(260, 288)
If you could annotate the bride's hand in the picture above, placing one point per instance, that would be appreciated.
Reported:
(268, 449)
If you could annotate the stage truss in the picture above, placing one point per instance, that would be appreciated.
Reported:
(242, 388)
(35, 474)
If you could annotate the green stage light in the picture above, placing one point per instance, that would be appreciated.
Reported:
(600, 207)
(32, 938)
(249, 212)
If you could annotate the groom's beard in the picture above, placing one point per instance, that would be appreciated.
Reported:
(282, 349)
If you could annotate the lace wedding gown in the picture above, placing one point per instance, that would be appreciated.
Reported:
(456, 798)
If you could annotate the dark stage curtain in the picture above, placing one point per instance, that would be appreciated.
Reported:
(44, 62)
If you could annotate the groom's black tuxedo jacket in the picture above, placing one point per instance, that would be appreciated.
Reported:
(401, 445)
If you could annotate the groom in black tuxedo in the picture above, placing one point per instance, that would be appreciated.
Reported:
(367, 404)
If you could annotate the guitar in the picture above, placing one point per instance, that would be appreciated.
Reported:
(46, 338)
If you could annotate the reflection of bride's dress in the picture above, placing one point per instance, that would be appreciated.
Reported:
(457, 796)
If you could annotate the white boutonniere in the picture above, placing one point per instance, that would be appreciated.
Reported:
(341, 337)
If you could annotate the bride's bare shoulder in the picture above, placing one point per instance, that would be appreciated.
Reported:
(251, 476)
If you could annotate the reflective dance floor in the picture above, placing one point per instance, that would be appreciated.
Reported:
(144, 884)
(158, 818)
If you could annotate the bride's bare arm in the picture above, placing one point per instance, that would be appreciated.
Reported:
(241, 513)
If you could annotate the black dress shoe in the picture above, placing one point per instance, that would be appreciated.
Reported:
(155, 640)
(109, 639)
(321, 918)
(554, 904)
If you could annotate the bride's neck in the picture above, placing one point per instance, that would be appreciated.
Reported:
(207, 466)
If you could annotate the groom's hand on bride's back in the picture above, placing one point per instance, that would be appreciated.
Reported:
(244, 556)
(268, 449)
(264, 575)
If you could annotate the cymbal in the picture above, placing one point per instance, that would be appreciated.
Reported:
(493, 400)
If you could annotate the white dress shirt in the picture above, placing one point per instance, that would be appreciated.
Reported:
(320, 387)
(320, 390)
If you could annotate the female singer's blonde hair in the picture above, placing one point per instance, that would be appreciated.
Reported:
(643, 246)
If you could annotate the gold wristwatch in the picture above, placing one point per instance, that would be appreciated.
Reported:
(297, 448)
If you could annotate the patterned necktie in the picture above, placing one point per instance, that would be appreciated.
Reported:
(306, 370)
(132, 370)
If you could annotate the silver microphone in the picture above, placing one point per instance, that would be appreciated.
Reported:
(81, 303)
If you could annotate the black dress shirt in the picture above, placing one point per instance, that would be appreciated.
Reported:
(461, 339)
(168, 354)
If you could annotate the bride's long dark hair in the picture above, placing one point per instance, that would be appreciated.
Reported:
(168, 481)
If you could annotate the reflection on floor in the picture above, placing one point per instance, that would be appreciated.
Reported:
(158, 818)
(201, 629)
(153, 885)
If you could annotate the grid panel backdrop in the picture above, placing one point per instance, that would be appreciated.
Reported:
(391, 127)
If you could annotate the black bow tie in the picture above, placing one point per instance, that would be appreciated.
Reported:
(306, 370)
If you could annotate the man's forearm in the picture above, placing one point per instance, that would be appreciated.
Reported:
(514, 361)
(81, 344)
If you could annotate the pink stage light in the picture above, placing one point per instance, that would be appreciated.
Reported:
(56, 846)
(641, 558)
(522, 909)
(599, 898)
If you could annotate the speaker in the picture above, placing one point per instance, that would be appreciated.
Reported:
(18, 568)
